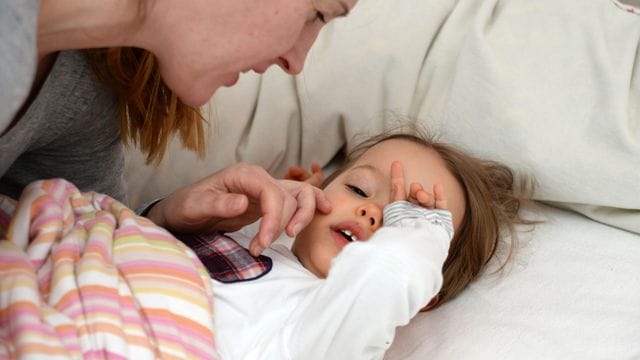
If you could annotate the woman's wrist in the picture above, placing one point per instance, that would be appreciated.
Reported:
(151, 211)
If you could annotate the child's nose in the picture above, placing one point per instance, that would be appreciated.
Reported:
(372, 214)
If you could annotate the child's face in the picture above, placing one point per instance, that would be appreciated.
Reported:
(359, 195)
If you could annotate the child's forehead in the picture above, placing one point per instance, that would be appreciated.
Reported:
(410, 153)
(397, 146)
(420, 163)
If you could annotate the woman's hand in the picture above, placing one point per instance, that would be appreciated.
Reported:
(417, 194)
(315, 177)
(237, 196)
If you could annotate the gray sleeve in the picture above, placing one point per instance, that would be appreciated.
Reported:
(18, 26)
(70, 131)
(399, 212)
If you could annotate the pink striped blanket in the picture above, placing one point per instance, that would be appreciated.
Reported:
(81, 276)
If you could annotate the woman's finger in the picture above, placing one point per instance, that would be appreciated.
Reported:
(309, 200)
(322, 203)
(263, 190)
(306, 206)
(277, 208)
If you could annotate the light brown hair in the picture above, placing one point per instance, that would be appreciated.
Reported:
(150, 113)
(491, 208)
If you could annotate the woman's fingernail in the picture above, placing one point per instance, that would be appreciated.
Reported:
(296, 229)
(236, 203)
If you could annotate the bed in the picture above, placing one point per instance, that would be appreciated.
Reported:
(551, 88)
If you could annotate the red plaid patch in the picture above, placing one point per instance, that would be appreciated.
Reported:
(225, 259)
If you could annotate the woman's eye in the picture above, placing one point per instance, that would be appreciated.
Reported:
(320, 16)
(357, 190)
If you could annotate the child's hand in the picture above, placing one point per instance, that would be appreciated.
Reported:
(315, 178)
(417, 194)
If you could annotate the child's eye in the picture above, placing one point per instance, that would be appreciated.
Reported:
(357, 190)
(320, 16)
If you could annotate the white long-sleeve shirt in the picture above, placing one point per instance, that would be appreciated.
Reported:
(372, 288)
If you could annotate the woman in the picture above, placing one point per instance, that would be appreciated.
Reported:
(64, 112)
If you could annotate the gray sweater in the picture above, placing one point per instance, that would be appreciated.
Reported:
(71, 130)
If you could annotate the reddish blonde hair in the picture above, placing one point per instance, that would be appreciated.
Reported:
(150, 113)
(491, 209)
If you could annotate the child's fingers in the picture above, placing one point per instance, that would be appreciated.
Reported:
(293, 172)
(316, 168)
(397, 182)
(415, 193)
(418, 195)
(440, 197)
(317, 175)
(316, 179)
(296, 173)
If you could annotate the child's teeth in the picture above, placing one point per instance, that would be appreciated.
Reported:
(349, 235)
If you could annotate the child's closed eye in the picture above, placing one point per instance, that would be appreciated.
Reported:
(357, 190)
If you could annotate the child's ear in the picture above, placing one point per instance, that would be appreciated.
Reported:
(432, 303)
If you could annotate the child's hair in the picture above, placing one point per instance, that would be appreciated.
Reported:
(492, 206)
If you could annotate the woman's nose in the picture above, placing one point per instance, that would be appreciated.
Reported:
(293, 60)
(372, 214)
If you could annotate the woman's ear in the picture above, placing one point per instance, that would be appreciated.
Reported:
(432, 303)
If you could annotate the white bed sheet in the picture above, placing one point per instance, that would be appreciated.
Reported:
(571, 292)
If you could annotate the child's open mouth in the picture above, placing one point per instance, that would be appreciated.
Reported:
(347, 235)
(347, 232)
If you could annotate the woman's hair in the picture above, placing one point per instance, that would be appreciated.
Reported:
(491, 207)
(150, 113)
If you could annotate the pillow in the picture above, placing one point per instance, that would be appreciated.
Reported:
(549, 88)
(556, 299)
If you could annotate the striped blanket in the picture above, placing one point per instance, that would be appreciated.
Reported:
(81, 276)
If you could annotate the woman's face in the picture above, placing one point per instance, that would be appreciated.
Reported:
(202, 45)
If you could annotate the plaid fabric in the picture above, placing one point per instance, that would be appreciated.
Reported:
(225, 259)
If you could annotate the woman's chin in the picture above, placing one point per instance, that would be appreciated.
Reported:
(199, 99)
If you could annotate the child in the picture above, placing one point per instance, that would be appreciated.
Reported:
(385, 251)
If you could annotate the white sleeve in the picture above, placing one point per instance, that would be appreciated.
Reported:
(373, 287)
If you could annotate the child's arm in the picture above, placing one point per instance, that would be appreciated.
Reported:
(375, 286)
